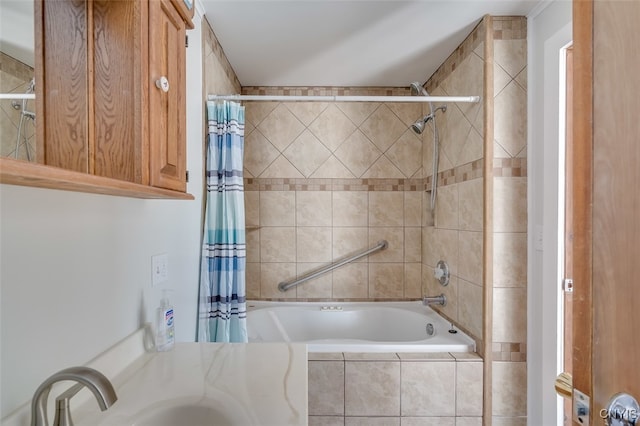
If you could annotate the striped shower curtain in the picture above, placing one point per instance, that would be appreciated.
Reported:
(222, 307)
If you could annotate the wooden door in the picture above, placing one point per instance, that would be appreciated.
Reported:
(607, 136)
(167, 105)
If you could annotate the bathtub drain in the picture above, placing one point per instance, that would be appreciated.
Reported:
(430, 329)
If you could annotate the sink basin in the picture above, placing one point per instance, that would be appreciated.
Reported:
(195, 411)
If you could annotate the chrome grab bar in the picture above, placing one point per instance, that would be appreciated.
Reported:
(286, 285)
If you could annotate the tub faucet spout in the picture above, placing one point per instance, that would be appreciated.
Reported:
(435, 300)
(95, 381)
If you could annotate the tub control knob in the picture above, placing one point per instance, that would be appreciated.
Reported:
(441, 272)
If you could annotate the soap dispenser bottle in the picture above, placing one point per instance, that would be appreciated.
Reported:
(165, 334)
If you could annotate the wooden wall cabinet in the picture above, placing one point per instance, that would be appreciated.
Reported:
(110, 89)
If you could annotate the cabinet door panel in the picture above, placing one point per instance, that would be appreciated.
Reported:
(167, 108)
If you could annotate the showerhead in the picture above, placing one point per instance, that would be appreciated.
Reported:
(418, 126)
(417, 89)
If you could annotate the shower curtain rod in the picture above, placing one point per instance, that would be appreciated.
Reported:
(331, 98)
(17, 96)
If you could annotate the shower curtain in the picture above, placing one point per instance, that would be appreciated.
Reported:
(222, 307)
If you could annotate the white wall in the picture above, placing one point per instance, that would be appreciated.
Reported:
(549, 30)
(75, 268)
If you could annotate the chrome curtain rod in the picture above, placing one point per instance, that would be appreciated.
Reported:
(17, 96)
(286, 285)
(331, 98)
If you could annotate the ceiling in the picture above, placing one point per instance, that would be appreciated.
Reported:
(346, 43)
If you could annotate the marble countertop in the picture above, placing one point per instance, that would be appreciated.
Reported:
(212, 383)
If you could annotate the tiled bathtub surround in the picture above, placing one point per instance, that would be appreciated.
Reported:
(14, 78)
(325, 180)
(394, 389)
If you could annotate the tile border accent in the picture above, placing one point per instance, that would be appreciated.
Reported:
(463, 173)
(509, 167)
(210, 36)
(465, 48)
(325, 91)
(509, 27)
(509, 351)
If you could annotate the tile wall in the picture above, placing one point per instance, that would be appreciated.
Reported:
(325, 180)
(14, 78)
(349, 389)
(509, 331)
(455, 231)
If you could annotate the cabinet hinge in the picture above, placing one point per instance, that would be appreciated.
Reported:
(186, 41)
(187, 176)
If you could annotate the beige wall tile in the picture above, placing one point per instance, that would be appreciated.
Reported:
(280, 127)
(408, 112)
(386, 280)
(383, 169)
(509, 259)
(307, 153)
(383, 127)
(259, 153)
(510, 315)
(442, 244)
(509, 385)
(413, 208)
(326, 420)
(350, 208)
(372, 388)
(428, 389)
(252, 280)
(406, 153)
(351, 281)
(313, 208)
(358, 111)
(447, 207)
(334, 169)
(256, 111)
(412, 280)
(253, 245)
(357, 153)
(313, 244)
(453, 128)
(348, 241)
(252, 208)
(511, 55)
(320, 287)
(470, 261)
(470, 307)
(277, 208)
(278, 244)
(412, 245)
(471, 204)
(451, 293)
(386, 208)
(468, 77)
(281, 168)
(372, 421)
(469, 386)
(428, 421)
(511, 133)
(306, 112)
(332, 127)
(469, 421)
(510, 204)
(272, 274)
(509, 421)
(395, 248)
(326, 388)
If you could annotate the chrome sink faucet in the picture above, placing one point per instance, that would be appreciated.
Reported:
(95, 381)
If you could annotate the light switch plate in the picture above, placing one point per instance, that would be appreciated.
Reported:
(159, 269)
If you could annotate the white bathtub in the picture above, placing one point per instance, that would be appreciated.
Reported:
(355, 327)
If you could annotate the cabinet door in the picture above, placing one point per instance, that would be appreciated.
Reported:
(167, 105)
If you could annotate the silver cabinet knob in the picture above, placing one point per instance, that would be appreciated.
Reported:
(163, 84)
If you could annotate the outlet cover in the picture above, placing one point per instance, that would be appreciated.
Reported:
(159, 269)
